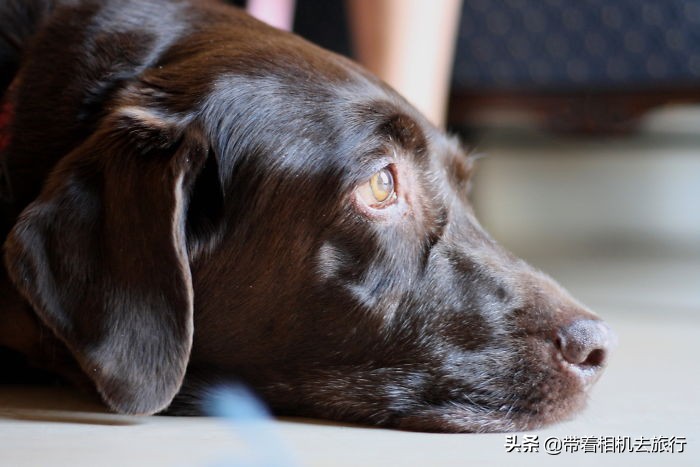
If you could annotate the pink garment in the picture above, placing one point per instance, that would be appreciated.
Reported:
(277, 13)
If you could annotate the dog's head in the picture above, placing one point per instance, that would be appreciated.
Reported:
(267, 211)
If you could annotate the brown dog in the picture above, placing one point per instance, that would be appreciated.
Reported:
(191, 197)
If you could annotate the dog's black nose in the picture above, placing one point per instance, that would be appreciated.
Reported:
(585, 343)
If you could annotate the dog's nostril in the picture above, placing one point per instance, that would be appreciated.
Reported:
(595, 358)
(585, 343)
(501, 293)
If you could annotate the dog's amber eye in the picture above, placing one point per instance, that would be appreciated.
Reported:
(382, 185)
(378, 192)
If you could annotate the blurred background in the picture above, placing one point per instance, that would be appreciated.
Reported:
(588, 113)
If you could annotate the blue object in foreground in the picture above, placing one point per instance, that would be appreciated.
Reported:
(251, 420)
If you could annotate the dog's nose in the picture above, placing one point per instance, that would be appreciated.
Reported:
(586, 343)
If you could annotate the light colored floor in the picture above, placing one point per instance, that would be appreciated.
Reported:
(650, 389)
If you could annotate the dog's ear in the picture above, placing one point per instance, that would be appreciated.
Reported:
(102, 256)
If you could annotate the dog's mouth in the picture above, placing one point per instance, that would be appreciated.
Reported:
(546, 390)
(464, 417)
(509, 401)
(517, 412)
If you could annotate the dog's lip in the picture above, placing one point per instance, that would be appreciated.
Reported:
(587, 375)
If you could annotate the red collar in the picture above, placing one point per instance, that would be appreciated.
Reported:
(6, 115)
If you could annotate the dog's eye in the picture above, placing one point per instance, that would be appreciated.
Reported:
(378, 192)
(382, 185)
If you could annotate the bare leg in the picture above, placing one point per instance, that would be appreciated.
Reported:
(410, 45)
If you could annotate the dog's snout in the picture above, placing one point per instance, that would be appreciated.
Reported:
(585, 343)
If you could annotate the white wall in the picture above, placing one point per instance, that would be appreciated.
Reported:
(542, 192)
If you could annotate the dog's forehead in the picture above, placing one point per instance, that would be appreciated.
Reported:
(339, 124)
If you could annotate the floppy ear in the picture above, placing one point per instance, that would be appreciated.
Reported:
(102, 257)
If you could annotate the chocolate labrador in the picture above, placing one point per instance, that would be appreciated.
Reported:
(190, 196)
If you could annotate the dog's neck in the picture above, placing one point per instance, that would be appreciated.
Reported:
(7, 210)
(16, 325)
